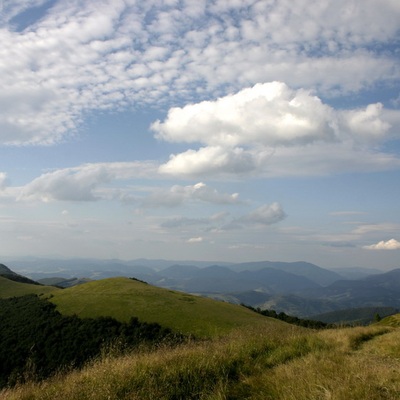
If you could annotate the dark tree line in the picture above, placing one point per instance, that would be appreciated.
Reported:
(307, 323)
(19, 278)
(36, 340)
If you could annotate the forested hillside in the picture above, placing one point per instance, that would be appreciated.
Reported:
(37, 341)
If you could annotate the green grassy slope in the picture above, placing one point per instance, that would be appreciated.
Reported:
(123, 298)
(10, 288)
(392, 320)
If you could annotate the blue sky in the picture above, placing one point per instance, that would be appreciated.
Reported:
(193, 129)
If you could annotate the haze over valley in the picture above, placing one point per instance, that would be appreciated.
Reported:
(299, 288)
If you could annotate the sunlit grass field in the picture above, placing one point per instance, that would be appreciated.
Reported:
(274, 361)
(123, 298)
(10, 288)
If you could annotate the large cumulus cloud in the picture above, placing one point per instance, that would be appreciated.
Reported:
(258, 128)
(265, 114)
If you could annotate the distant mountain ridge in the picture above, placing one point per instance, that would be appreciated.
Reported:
(363, 315)
(7, 273)
(4, 270)
(372, 290)
(217, 279)
(297, 288)
(317, 274)
(187, 276)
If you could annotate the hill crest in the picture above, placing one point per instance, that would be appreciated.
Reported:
(123, 298)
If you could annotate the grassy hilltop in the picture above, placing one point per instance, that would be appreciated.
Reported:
(123, 298)
(9, 288)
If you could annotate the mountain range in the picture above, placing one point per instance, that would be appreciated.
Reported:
(297, 288)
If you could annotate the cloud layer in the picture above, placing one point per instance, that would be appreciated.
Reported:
(79, 57)
(261, 217)
(101, 181)
(82, 183)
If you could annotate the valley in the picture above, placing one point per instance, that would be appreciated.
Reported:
(165, 343)
(300, 289)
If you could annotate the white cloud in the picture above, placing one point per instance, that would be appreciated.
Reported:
(323, 159)
(3, 180)
(367, 124)
(391, 244)
(82, 183)
(372, 228)
(198, 239)
(90, 182)
(316, 159)
(210, 160)
(269, 114)
(96, 55)
(267, 214)
(68, 184)
(360, 234)
(272, 130)
(265, 114)
(177, 195)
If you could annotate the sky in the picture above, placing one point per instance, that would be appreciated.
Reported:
(226, 130)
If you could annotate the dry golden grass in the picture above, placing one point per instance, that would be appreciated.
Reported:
(191, 371)
(355, 367)
(277, 361)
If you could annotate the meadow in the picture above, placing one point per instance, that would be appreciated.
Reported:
(10, 288)
(271, 360)
(123, 298)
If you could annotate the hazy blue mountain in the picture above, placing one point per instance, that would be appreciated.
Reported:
(359, 316)
(80, 268)
(39, 268)
(4, 270)
(215, 271)
(163, 264)
(356, 272)
(296, 288)
(381, 290)
(390, 279)
(314, 273)
(278, 281)
(375, 290)
(218, 279)
(295, 305)
(178, 271)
